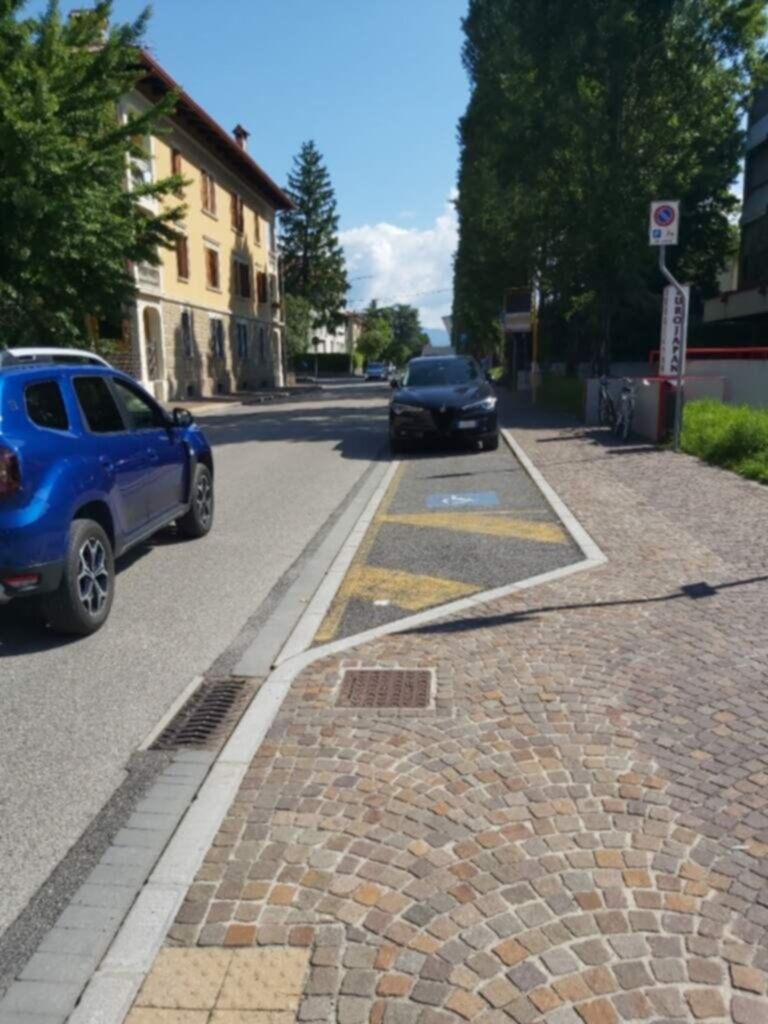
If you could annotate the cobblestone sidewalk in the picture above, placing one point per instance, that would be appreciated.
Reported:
(577, 831)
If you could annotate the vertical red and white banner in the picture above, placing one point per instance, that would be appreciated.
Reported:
(674, 330)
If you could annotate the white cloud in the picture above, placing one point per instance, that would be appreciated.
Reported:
(404, 265)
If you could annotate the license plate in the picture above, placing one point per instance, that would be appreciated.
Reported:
(467, 424)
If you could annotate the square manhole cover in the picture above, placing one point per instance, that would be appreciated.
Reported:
(385, 688)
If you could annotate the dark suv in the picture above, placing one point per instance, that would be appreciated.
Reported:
(90, 466)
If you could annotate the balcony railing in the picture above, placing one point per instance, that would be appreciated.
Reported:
(146, 274)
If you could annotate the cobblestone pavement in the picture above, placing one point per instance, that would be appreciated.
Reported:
(577, 831)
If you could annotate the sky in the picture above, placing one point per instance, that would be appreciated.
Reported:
(378, 85)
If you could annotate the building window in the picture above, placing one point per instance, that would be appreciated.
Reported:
(182, 258)
(186, 333)
(176, 162)
(272, 288)
(262, 285)
(271, 235)
(217, 338)
(141, 162)
(262, 345)
(257, 228)
(242, 274)
(238, 212)
(241, 335)
(212, 272)
(209, 193)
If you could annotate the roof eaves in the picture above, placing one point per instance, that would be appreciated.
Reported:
(248, 164)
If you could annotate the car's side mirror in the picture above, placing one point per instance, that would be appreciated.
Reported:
(182, 418)
(394, 382)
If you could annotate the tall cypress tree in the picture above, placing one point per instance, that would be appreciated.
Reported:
(580, 115)
(68, 224)
(313, 260)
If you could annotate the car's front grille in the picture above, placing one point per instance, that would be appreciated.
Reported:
(443, 419)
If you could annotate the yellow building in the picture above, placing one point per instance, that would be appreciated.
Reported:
(208, 320)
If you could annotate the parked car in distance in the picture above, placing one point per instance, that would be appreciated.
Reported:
(377, 371)
(443, 397)
(79, 356)
(90, 466)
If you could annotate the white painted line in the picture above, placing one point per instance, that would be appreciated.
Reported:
(171, 713)
(308, 624)
(112, 989)
(561, 510)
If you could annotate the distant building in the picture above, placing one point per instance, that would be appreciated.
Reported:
(744, 286)
(208, 319)
(342, 339)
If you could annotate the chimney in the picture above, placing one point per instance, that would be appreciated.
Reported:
(241, 136)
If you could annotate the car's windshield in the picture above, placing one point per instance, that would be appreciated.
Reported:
(436, 372)
(375, 366)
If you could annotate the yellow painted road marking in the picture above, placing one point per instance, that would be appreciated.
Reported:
(492, 525)
(330, 624)
(407, 590)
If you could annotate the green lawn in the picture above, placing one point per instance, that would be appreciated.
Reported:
(732, 436)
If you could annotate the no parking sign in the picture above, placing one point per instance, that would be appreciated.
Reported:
(665, 222)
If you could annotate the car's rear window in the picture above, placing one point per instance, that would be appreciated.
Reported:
(45, 405)
(436, 372)
(99, 407)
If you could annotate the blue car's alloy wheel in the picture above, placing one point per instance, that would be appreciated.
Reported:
(83, 600)
(93, 580)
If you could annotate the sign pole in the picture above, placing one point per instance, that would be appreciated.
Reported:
(683, 344)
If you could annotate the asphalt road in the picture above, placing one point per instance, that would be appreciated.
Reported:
(73, 713)
(451, 525)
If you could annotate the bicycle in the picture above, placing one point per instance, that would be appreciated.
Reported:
(606, 410)
(622, 426)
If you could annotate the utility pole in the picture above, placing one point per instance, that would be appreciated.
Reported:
(664, 231)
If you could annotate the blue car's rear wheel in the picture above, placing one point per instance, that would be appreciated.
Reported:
(83, 600)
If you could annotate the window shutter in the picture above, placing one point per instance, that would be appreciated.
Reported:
(257, 233)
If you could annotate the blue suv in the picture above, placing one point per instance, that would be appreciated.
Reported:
(90, 466)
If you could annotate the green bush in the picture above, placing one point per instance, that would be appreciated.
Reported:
(732, 436)
(562, 394)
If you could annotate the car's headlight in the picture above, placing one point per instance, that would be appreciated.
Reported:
(486, 405)
(398, 408)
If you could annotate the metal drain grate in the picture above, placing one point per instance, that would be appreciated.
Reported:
(385, 688)
(208, 717)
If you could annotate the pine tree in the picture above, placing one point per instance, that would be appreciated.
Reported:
(68, 224)
(313, 260)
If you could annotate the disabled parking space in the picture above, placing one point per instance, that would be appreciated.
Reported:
(450, 525)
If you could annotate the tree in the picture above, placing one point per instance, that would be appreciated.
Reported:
(313, 260)
(580, 114)
(69, 223)
(376, 337)
(298, 324)
(407, 337)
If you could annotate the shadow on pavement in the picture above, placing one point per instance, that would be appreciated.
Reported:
(692, 591)
(22, 627)
(358, 433)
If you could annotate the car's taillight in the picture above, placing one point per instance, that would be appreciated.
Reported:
(10, 477)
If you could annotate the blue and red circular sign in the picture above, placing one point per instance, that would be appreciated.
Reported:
(664, 216)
